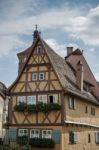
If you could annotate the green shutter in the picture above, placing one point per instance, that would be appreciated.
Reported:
(12, 134)
(56, 136)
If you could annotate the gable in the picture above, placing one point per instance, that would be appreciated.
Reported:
(38, 62)
(88, 75)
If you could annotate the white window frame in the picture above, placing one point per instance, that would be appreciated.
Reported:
(34, 76)
(73, 139)
(31, 100)
(42, 98)
(55, 98)
(41, 76)
(21, 99)
(39, 49)
(46, 135)
(72, 103)
(23, 133)
(97, 137)
(34, 135)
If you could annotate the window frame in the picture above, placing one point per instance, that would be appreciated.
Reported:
(23, 132)
(72, 103)
(32, 96)
(86, 109)
(40, 49)
(36, 135)
(40, 78)
(89, 138)
(55, 100)
(92, 111)
(34, 75)
(97, 137)
(41, 100)
(22, 101)
(46, 136)
(72, 137)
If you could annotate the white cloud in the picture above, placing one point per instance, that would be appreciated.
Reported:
(8, 43)
(22, 18)
(59, 48)
(97, 76)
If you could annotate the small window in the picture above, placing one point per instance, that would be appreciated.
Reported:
(39, 50)
(34, 133)
(97, 138)
(72, 138)
(21, 99)
(41, 76)
(42, 98)
(89, 138)
(47, 134)
(72, 103)
(92, 111)
(31, 100)
(53, 98)
(86, 109)
(22, 132)
(34, 76)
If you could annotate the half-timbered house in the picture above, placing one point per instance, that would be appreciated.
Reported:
(53, 103)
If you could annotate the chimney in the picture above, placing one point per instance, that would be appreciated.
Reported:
(69, 50)
(80, 76)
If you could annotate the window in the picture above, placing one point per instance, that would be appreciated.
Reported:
(40, 50)
(53, 98)
(72, 137)
(89, 138)
(34, 133)
(21, 99)
(41, 76)
(47, 134)
(97, 138)
(42, 98)
(92, 111)
(34, 76)
(22, 132)
(31, 100)
(72, 103)
(86, 109)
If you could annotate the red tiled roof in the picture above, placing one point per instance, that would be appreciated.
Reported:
(73, 59)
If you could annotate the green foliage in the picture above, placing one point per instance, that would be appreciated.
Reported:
(22, 140)
(43, 143)
(40, 107)
(31, 108)
(21, 107)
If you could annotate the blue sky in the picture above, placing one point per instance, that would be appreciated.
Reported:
(62, 23)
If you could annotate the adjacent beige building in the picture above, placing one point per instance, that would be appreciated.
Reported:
(2, 101)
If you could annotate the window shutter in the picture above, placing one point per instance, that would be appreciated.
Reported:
(75, 137)
(97, 137)
(12, 134)
(55, 98)
(56, 136)
(70, 102)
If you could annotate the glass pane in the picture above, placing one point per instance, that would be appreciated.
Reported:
(42, 98)
(31, 99)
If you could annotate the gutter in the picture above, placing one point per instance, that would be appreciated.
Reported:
(81, 123)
